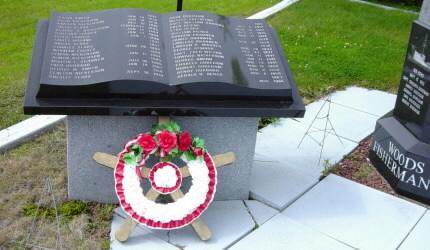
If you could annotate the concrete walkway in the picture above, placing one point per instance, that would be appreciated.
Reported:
(292, 209)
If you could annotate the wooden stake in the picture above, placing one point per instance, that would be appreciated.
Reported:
(201, 229)
(125, 229)
(105, 159)
(163, 119)
(123, 233)
(111, 161)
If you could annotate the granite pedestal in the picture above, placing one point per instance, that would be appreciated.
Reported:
(401, 158)
(87, 180)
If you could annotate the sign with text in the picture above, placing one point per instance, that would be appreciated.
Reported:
(136, 62)
(402, 159)
(413, 99)
(205, 54)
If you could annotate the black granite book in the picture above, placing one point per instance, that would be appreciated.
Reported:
(135, 62)
(134, 52)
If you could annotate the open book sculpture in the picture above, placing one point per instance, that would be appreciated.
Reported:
(135, 62)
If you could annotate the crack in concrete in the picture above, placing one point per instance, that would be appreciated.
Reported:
(252, 217)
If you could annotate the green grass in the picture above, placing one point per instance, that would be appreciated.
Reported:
(17, 28)
(336, 43)
(28, 214)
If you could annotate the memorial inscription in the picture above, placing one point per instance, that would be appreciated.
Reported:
(413, 100)
(136, 62)
(153, 53)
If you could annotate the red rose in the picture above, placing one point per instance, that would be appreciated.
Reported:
(198, 151)
(147, 142)
(167, 141)
(185, 141)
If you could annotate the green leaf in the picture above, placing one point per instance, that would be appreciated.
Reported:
(189, 155)
(137, 149)
(175, 152)
(130, 159)
(169, 128)
(175, 126)
(157, 127)
(199, 142)
(138, 158)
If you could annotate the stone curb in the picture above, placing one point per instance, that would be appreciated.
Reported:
(273, 10)
(27, 129)
(384, 6)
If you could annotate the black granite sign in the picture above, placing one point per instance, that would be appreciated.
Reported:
(413, 99)
(176, 59)
(139, 52)
(401, 158)
(400, 149)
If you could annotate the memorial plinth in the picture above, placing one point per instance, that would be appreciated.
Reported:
(401, 143)
(113, 72)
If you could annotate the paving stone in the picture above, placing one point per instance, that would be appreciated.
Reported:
(229, 221)
(139, 239)
(357, 215)
(280, 142)
(372, 101)
(260, 212)
(277, 184)
(418, 238)
(353, 112)
(280, 232)
(343, 121)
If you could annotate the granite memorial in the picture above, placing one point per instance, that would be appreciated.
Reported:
(112, 72)
(401, 143)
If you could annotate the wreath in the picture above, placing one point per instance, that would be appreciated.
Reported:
(166, 142)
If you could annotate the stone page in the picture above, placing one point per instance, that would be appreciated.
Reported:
(213, 48)
(120, 44)
(176, 48)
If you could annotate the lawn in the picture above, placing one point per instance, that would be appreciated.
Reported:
(27, 211)
(17, 27)
(336, 43)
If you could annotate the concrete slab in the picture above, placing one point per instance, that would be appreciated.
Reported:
(418, 239)
(357, 215)
(260, 212)
(366, 100)
(277, 184)
(139, 239)
(229, 221)
(353, 112)
(348, 123)
(280, 232)
(280, 142)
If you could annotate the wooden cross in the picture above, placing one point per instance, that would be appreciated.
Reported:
(201, 229)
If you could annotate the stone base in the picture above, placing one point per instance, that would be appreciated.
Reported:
(401, 158)
(86, 135)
